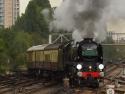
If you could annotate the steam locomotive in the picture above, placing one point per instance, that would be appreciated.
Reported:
(81, 64)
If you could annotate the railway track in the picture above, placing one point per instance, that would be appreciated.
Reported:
(25, 85)
(113, 73)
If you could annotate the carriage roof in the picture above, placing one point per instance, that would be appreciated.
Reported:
(38, 47)
(53, 46)
(47, 47)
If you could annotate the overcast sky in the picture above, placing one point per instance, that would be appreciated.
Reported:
(55, 3)
(23, 5)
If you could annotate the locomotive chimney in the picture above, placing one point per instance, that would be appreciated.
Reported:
(88, 39)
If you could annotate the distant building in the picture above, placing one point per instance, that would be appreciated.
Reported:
(1, 12)
(116, 30)
(9, 11)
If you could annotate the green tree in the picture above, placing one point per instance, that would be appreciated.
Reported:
(22, 42)
(33, 20)
(30, 29)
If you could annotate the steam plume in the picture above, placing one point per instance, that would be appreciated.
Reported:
(89, 17)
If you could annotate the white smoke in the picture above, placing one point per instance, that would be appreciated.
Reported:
(76, 36)
(45, 12)
(89, 17)
(116, 9)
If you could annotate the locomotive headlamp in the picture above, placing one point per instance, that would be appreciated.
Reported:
(101, 66)
(90, 67)
(79, 66)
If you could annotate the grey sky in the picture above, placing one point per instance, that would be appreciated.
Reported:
(55, 3)
(23, 5)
